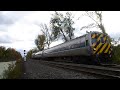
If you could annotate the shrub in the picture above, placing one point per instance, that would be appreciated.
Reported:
(116, 54)
(13, 71)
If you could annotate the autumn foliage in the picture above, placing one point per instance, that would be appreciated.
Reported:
(9, 54)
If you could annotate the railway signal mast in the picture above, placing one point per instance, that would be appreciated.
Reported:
(24, 55)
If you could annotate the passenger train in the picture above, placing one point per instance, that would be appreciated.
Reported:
(93, 46)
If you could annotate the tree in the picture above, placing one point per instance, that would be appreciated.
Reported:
(61, 26)
(2, 52)
(12, 54)
(40, 41)
(30, 52)
(9, 54)
(34, 50)
(48, 35)
(96, 16)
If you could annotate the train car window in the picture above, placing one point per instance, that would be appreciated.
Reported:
(102, 40)
(82, 44)
(87, 43)
(94, 40)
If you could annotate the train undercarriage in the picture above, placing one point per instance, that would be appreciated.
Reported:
(102, 59)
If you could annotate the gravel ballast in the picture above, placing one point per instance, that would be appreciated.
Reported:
(35, 69)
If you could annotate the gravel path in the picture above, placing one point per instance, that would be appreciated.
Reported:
(35, 69)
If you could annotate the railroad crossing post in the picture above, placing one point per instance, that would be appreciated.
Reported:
(24, 55)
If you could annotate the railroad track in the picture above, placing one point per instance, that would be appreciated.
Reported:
(114, 66)
(106, 72)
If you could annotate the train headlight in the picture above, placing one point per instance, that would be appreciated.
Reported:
(94, 49)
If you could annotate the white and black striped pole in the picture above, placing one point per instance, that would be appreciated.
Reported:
(24, 55)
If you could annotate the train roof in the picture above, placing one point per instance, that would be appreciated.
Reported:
(72, 40)
(75, 38)
(67, 41)
(39, 52)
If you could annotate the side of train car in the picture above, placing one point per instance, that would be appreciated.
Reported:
(94, 45)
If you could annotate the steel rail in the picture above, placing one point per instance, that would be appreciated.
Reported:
(107, 72)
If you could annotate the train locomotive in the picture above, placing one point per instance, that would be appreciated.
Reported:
(94, 46)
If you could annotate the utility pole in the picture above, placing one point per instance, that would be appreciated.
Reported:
(24, 55)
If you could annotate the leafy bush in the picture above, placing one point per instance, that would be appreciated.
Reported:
(14, 71)
(116, 54)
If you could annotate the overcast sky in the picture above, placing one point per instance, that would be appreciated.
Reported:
(18, 29)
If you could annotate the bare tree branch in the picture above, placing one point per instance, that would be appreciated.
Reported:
(47, 34)
(99, 24)
(92, 18)
(89, 26)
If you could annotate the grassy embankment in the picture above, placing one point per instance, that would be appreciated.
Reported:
(13, 71)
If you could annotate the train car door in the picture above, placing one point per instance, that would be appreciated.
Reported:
(87, 40)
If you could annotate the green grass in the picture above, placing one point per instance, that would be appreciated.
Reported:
(116, 54)
(116, 59)
(14, 71)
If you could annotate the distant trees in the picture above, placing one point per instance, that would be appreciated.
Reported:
(2, 52)
(40, 42)
(30, 52)
(9, 54)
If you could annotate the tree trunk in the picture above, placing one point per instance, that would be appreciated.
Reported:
(64, 35)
